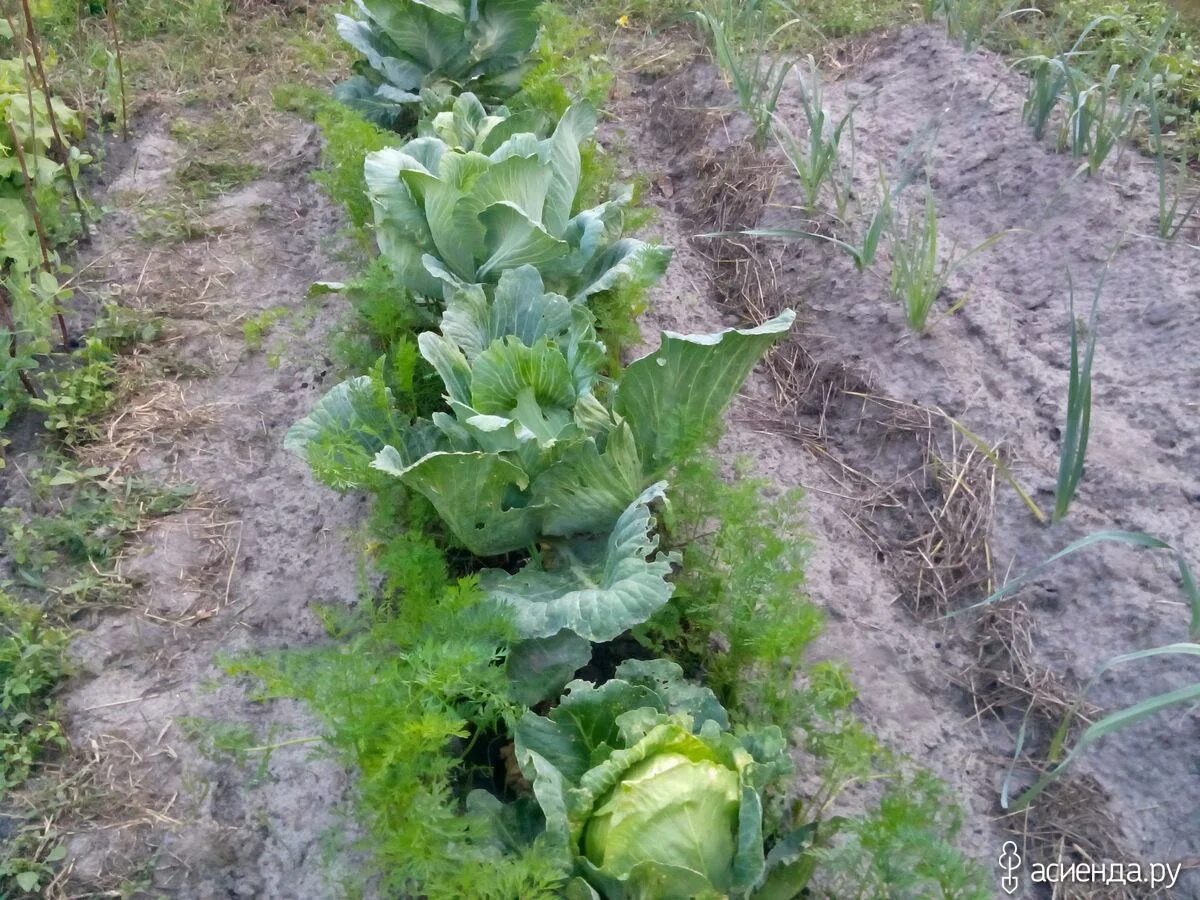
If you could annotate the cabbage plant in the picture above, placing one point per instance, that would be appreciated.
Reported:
(538, 449)
(468, 125)
(421, 52)
(449, 217)
(646, 791)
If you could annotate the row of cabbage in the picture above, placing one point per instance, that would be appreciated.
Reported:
(547, 462)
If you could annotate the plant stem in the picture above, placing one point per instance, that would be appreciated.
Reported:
(43, 241)
(6, 319)
(111, 9)
(35, 47)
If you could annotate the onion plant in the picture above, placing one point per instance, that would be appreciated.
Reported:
(1079, 405)
(917, 278)
(970, 21)
(740, 42)
(1059, 757)
(1170, 196)
(818, 161)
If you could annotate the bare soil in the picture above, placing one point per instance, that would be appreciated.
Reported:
(185, 812)
(908, 519)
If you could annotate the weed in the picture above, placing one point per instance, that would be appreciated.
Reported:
(650, 14)
(255, 329)
(68, 551)
(32, 661)
(970, 22)
(818, 22)
(75, 396)
(1079, 404)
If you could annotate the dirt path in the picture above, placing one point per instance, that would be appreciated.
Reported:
(240, 568)
(850, 414)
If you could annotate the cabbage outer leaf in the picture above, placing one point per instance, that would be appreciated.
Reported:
(595, 595)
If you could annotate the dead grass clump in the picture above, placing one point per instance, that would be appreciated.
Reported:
(1068, 825)
(156, 418)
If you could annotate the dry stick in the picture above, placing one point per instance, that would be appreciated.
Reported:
(31, 38)
(6, 319)
(110, 7)
(43, 241)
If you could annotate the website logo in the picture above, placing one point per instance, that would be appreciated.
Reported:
(1010, 863)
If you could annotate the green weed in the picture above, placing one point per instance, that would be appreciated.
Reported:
(255, 329)
(75, 396)
(32, 662)
(67, 550)
(817, 22)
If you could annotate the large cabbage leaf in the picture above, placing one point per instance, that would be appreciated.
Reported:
(446, 216)
(673, 397)
(595, 589)
(531, 417)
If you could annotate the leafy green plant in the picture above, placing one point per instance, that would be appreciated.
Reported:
(74, 396)
(739, 612)
(445, 218)
(40, 208)
(405, 700)
(32, 662)
(530, 453)
(1077, 426)
(570, 66)
(742, 47)
(422, 52)
(624, 770)
(917, 278)
(467, 125)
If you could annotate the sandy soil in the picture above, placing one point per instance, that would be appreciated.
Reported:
(846, 418)
(240, 569)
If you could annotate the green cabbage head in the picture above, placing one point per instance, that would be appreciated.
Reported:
(646, 790)
(670, 807)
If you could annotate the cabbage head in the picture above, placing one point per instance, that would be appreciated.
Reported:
(646, 791)
(419, 53)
